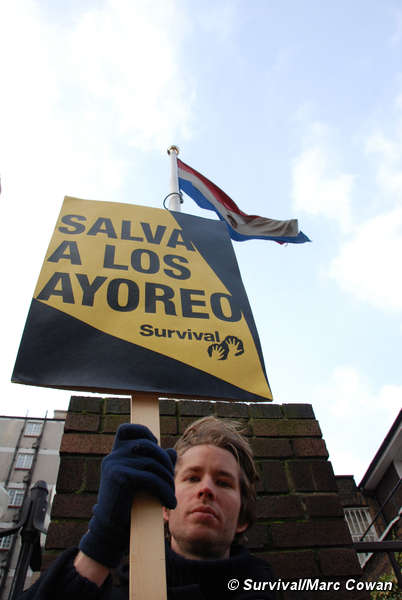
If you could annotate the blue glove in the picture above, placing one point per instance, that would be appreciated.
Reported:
(136, 463)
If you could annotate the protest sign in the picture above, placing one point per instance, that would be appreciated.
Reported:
(139, 298)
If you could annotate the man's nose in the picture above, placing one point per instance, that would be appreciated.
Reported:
(207, 488)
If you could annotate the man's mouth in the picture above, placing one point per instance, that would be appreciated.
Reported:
(205, 510)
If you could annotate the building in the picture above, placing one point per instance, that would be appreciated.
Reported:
(373, 509)
(29, 451)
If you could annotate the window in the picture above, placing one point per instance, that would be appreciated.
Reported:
(16, 496)
(5, 542)
(358, 520)
(32, 428)
(24, 461)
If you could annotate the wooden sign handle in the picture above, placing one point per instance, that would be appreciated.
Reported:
(147, 545)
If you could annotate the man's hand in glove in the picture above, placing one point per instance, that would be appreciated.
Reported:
(135, 464)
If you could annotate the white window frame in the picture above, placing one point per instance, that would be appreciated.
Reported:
(5, 542)
(358, 519)
(23, 458)
(33, 429)
(13, 493)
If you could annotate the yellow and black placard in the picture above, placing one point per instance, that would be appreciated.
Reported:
(135, 298)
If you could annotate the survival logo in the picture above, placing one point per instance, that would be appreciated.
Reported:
(132, 298)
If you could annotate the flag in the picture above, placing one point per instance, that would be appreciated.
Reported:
(241, 226)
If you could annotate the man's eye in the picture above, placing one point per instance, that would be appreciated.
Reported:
(224, 483)
(192, 478)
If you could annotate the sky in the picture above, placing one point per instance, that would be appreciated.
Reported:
(294, 109)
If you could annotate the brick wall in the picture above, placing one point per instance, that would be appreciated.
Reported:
(300, 529)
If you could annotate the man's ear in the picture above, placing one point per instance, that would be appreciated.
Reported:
(241, 527)
(165, 512)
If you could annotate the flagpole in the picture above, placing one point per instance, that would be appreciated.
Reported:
(174, 196)
(147, 577)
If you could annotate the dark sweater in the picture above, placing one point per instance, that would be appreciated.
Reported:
(194, 579)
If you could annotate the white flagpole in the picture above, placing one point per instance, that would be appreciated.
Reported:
(174, 198)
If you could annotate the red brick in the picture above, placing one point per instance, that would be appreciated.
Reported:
(85, 404)
(309, 476)
(301, 476)
(348, 491)
(168, 441)
(64, 534)
(323, 505)
(298, 564)
(196, 408)
(73, 505)
(71, 474)
(256, 537)
(286, 427)
(111, 423)
(324, 477)
(271, 447)
(168, 425)
(279, 507)
(339, 562)
(167, 407)
(118, 405)
(310, 533)
(298, 411)
(273, 477)
(77, 443)
(81, 422)
(310, 447)
(92, 474)
(260, 410)
(232, 410)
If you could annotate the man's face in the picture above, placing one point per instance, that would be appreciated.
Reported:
(206, 518)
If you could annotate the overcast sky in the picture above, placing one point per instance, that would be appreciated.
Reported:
(293, 108)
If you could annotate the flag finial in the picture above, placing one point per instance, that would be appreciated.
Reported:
(173, 149)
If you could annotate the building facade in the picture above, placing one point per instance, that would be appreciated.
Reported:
(373, 509)
(29, 452)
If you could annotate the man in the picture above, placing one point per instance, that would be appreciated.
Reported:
(214, 477)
